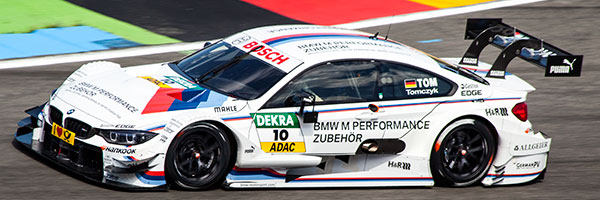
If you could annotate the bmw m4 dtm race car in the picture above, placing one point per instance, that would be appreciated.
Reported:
(303, 106)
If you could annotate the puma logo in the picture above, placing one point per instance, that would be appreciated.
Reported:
(565, 61)
(563, 69)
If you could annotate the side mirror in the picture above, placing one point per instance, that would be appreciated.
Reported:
(304, 99)
(308, 117)
(207, 44)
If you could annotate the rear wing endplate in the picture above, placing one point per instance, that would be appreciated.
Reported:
(516, 43)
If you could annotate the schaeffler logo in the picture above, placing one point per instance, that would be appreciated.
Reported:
(472, 61)
(563, 69)
(497, 73)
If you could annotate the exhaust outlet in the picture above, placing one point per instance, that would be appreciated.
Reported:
(370, 147)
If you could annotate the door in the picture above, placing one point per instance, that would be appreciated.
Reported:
(356, 101)
(342, 92)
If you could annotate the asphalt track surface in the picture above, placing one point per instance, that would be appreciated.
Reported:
(565, 108)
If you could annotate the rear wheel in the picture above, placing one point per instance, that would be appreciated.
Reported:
(199, 157)
(463, 153)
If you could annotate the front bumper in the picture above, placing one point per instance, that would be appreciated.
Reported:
(88, 160)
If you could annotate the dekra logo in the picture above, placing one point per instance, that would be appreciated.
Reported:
(275, 120)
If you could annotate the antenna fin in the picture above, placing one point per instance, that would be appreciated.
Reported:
(374, 36)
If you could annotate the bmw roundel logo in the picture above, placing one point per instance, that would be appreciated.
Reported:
(70, 111)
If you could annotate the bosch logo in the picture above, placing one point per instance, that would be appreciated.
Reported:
(70, 111)
(240, 40)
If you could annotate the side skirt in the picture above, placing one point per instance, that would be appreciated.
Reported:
(362, 170)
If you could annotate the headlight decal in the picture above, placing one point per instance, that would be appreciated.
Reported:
(126, 137)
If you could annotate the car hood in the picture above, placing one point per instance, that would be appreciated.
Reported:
(128, 93)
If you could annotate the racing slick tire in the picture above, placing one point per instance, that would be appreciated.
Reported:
(462, 153)
(199, 157)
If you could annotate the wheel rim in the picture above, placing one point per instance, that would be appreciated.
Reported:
(197, 158)
(465, 154)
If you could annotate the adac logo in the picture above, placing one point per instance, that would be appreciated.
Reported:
(70, 111)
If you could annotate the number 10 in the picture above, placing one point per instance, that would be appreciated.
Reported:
(283, 134)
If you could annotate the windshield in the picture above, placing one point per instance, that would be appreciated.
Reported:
(227, 69)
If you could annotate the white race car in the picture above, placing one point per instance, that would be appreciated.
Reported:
(303, 106)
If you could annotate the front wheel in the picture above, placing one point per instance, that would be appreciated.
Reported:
(199, 157)
(463, 153)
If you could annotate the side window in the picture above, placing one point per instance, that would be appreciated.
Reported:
(398, 81)
(331, 83)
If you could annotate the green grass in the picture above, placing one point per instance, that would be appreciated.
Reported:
(23, 16)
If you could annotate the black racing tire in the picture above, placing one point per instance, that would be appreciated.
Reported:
(199, 158)
(462, 153)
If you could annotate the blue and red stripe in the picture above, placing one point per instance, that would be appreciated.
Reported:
(269, 174)
(514, 175)
(299, 37)
(156, 128)
(130, 158)
(337, 179)
(228, 119)
(416, 104)
(386, 106)
(254, 174)
(152, 177)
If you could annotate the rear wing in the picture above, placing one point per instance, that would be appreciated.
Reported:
(516, 43)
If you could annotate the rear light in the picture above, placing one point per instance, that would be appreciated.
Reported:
(520, 111)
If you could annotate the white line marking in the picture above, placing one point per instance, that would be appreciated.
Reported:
(433, 14)
(157, 49)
